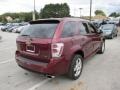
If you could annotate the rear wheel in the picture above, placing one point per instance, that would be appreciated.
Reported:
(75, 67)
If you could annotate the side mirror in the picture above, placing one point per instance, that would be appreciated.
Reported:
(100, 31)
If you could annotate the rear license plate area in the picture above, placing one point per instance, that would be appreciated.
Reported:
(30, 48)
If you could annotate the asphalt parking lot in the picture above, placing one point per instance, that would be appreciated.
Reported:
(101, 72)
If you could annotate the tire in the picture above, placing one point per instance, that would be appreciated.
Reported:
(75, 68)
(102, 48)
(112, 36)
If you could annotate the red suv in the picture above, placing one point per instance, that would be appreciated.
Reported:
(58, 46)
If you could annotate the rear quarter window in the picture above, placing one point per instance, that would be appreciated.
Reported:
(69, 29)
(82, 28)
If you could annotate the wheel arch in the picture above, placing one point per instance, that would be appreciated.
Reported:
(104, 39)
(80, 52)
(70, 73)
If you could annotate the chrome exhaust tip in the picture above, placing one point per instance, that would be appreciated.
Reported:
(50, 76)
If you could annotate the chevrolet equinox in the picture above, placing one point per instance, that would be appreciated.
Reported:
(58, 46)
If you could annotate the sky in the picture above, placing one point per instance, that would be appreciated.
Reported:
(108, 6)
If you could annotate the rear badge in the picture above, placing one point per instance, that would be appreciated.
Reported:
(29, 41)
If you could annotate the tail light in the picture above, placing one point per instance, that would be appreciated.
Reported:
(17, 53)
(18, 46)
(57, 49)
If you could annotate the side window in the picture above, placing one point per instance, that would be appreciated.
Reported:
(86, 27)
(91, 28)
(83, 28)
(69, 29)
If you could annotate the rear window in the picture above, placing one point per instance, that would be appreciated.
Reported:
(42, 30)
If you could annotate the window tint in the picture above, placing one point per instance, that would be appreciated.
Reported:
(107, 27)
(69, 29)
(91, 28)
(44, 30)
(82, 28)
(86, 27)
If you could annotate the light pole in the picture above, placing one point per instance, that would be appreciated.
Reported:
(74, 12)
(80, 11)
(90, 10)
(34, 11)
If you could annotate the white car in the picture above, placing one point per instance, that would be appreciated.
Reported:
(1, 27)
(18, 30)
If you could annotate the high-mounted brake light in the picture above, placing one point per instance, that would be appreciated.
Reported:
(57, 49)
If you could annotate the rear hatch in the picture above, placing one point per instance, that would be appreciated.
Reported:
(35, 40)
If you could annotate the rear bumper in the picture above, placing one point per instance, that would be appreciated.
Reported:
(54, 67)
(108, 36)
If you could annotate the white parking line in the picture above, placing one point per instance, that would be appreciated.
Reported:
(7, 61)
(40, 84)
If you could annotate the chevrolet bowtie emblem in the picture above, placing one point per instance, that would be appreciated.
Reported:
(29, 41)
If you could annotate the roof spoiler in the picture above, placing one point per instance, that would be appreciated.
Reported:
(44, 21)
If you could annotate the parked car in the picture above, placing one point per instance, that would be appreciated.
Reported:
(115, 21)
(109, 30)
(12, 28)
(6, 27)
(97, 23)
(3, 28)
(58, 46)
(19, 29)
(2, 25)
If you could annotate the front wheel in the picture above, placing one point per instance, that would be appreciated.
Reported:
(75, 67)
(102, 48)
(112, 36)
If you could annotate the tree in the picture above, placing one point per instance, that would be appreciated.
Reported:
(25, 16)
(114, 14)
(3, 19)
(55, 11)
(22, 16)
(100, 12)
